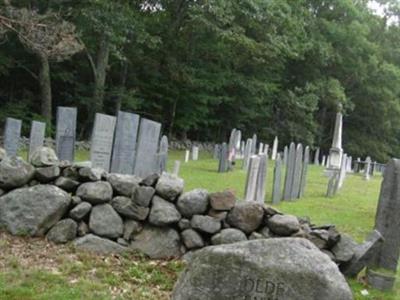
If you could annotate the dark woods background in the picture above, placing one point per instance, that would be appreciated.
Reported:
(273, 67)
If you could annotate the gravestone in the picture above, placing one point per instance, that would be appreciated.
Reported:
(195, 153)
(289, 172)
(36, 138)
(216, 151)
(254, 144)
(342, 172)
(323, 161)
(124, 149)
(316, 157)
(163, 154)
(102, 141)
(147, 145)
(260, 148)
(276, 188)
(242, 149)
(232, 140)
(306, 161)
(274, 148)
(383, 265)
(285, 156)
(238, 139)
(177, 166)
(12, 136)
(367, 168)
(223, 159)
(66, 133)
(298, 165)
(266, 150)
(252, 175)
(187, 156)
(247, 154)
(261, 179)
(348, 164)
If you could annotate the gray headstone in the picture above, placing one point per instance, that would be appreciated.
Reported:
(232, 139)
(223, 159)
(387, 221)
(124, 149)
(217, 150)
(260, 148)
(289, 172)
(367, 168)
(66, 133)
(247, 154)
(348, 164)
(285, 155)
(102, 141)
(261, 179)
(238, 139)
(274, 148)
(163, 154)
(276, 188)
(254, 144)
(323, 161)
(187, 156)
(304, 171)
(195, 153)
(12, 136)
(298, 165)
(177, 166)
(146, 153)
(342, 172)
(316, 157)
(252, 175)
(36, 138)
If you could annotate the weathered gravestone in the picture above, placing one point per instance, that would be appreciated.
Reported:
(260, 148)
(254, 144)
(124, 149)
(316, 156)
(276, 188)
(247, 154)
(275, 269)
(261, 179)
(298, 165)
(285, 155)
(348, 164)
(274, 148)
(342, 171)
(102, 141)
(367, 168)
(382, 268)
(187, 156)
(177, 165)
(289, 172)
(217, 149)
(195, 153)
(252, 176)
(65, 133)
(36, 137)
(323, 161)
(306, 161)
(223, 159)
(146, 155)
(12, 136)
(163, 154)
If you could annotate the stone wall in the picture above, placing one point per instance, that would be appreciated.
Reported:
(105, 212)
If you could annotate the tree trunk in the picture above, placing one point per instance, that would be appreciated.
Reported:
(45, 88)
(101, 73)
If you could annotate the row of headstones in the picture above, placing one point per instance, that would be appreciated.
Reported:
(126, 144)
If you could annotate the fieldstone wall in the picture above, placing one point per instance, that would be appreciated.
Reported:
(105, 212)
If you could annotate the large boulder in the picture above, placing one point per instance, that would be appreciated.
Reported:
(127, 208)
(283, 225)
(246, 216)
(124, 184)
(95, 192)
(163, 213)
(99, 245)
(158, 243)
(193, 203)
(33, 210)
(15, 172)
(104, 221)
(228, 236)
(63, 232)
(169, 186)
(284, 268)
(44, 157)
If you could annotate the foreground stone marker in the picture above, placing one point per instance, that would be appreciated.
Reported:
(12, 136)
(387, 222)
(282, 269)
(36, 137)
(276, 188)
(65, 133)
(146, 156)
(102, 141)
(124, 149)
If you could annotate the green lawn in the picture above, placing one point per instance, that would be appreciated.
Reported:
(88, 277)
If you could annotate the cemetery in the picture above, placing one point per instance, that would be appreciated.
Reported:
(200, 150)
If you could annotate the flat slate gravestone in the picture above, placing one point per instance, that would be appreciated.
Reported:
(387, 222)
(265, 269)
(124, 149)
(146, 157)
(289, 172)
(223, 159)
(102, 141)
(247, 154)
(66, 132)
(252, 176)
(276, 188)
(261, 179)
(36, 138)
(306, 161)
(298, 164)
(12, 136)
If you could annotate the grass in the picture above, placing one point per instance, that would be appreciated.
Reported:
(71, 275)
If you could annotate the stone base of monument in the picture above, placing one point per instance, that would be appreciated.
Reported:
(380, 281)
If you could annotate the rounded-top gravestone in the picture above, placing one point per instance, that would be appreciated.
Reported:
(278, 269)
